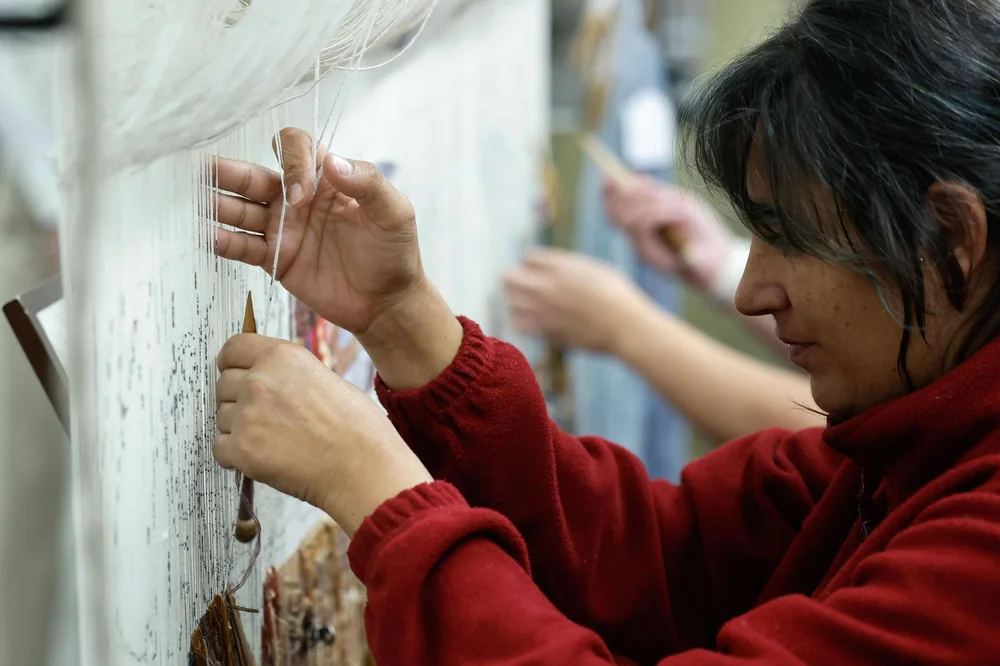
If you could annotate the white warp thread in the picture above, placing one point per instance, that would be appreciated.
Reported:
(154, 305)
(179, 73)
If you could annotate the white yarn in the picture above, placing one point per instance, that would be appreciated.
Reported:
(179, 73)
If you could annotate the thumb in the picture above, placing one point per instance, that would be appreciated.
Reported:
(363, 182)
(294, 149)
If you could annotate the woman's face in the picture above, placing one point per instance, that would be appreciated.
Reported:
(836, 326)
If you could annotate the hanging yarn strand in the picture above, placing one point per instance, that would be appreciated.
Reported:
(336, 109)
(281, 222)
(409, 43)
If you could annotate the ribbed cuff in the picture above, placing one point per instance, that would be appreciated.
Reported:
(457, 379)
(392, 514)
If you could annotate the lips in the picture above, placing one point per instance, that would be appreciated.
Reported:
(798, 350)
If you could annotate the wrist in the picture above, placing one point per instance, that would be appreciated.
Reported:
(414, 341)
(375, 478)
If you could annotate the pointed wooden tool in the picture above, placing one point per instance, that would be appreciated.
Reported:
(247, 526)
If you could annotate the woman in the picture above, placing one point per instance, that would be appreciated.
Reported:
(859, 143)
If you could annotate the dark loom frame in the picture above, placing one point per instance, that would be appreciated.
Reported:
(53, 17)
(22, 314)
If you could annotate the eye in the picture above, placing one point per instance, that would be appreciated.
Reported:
(770, 226)
(784, 246)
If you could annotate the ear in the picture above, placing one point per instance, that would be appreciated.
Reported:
(959, 210)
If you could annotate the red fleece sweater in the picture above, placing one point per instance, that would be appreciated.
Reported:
(759, 556)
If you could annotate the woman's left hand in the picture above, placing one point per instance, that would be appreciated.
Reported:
(289, 422)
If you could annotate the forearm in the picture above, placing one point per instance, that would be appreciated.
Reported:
(724, 392)
(449, 584)
(482, 425)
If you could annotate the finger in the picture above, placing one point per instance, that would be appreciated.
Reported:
(656, 252)
(245, 248)
(633, 216)
(544, 258)
(296, 154)
(363, 182)
(527, 305)
(242, 351)
(224, 449)
(242, 213)
(229, 385)
(610, 188)
(226, 417)
(526, 321)
(525, 282)
(251, 181)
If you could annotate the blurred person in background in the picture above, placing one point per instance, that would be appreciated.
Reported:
(646, 206)
(586, 303)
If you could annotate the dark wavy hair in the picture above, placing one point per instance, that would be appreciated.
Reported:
(873, 101)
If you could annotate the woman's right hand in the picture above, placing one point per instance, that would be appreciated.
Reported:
(646, 206)
(349, 251)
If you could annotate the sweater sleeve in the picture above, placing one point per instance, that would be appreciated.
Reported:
(649, 567)
(450, 584)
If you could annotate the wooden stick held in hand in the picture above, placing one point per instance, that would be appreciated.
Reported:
(247, 526)
(615, 169)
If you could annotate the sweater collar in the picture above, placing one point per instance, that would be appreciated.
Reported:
(911, 440)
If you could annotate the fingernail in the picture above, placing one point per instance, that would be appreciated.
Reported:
(295, 194)
(344, 168)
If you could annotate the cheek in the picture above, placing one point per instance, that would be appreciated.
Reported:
(859, 338)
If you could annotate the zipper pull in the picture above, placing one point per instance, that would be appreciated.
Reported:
(866, 508)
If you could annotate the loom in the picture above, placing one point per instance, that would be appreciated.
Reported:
(151, 92)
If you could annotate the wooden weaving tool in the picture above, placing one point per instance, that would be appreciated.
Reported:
(594, 59)
(247, 527)
(615, 169)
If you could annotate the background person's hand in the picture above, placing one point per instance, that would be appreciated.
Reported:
(349, 252)
(646, 206)
(571, 299)
(289, 422)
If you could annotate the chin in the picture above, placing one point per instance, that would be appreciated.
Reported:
(834, 400)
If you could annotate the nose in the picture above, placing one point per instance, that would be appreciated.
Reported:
(761, 290)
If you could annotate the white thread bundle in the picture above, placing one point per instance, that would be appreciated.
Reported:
(178, 73)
